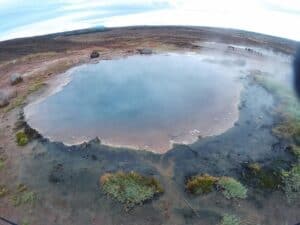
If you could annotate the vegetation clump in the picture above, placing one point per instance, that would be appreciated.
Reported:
(21, 138)
(232, 188)
(230, 220)
(3, 191)
(289, 108)
(24, 196)
(130, 188)
(291, 183)
(263, 177)
(295, 151)
(201, 184)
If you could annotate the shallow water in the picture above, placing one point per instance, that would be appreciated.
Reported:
(145, 102)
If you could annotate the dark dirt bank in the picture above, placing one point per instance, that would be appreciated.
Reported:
(65, 179)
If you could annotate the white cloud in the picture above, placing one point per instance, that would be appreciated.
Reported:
(274, 17)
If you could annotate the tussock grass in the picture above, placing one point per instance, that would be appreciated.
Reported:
(201, 184)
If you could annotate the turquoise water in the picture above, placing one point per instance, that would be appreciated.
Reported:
(145, 102)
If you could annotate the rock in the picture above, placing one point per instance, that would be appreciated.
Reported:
(3, 99)
(95, 54)
(145, 51)
(15, 79)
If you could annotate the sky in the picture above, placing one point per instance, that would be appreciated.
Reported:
(25, 18)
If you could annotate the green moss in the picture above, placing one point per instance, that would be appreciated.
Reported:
(3, 191)
(130, 188)
(21, 138)
(230, 220)
(291, 182)
(232, 188)
(288, 107)
(26, 197)
(201, 184)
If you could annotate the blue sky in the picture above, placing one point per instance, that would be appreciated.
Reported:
(23, 18)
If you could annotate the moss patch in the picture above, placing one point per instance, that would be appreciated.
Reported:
(201, 184)
(23, 196)
(228, 219)
(262, 177)
(232, 188)
(288, 107)
(21, 138)
(291, 183)
(130, 188)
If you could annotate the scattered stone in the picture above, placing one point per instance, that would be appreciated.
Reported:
(145, 51)
(3, 99)
(95, 54)
(15, 79)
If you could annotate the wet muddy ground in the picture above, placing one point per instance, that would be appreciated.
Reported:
(65, 178)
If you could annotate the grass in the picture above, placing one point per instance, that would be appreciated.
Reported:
(230, 220)
(20, 99)
(232, 188)
(201, 184)
(21, 138)
(130, 188)
(291, 183)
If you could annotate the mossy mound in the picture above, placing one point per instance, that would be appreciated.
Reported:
(228, 219)
(262, 177)
(291, 183)
(201, 184)
(130, 188)
(232, 188)
(21, 138)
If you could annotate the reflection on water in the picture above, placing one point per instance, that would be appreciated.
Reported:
(144, 102)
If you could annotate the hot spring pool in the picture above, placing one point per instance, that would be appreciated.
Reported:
(144, 102)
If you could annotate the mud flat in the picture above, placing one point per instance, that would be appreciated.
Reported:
(62, 180)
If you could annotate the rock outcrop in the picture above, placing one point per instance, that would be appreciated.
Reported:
(145, 51)
(15, 79)
(94, 54)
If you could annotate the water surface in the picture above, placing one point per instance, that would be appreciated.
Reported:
(145, 102)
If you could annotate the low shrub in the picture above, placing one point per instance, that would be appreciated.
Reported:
(232, 188)
(130, 188)
(291, 183)
(201, 184)
(21, 138)
(230, 220)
